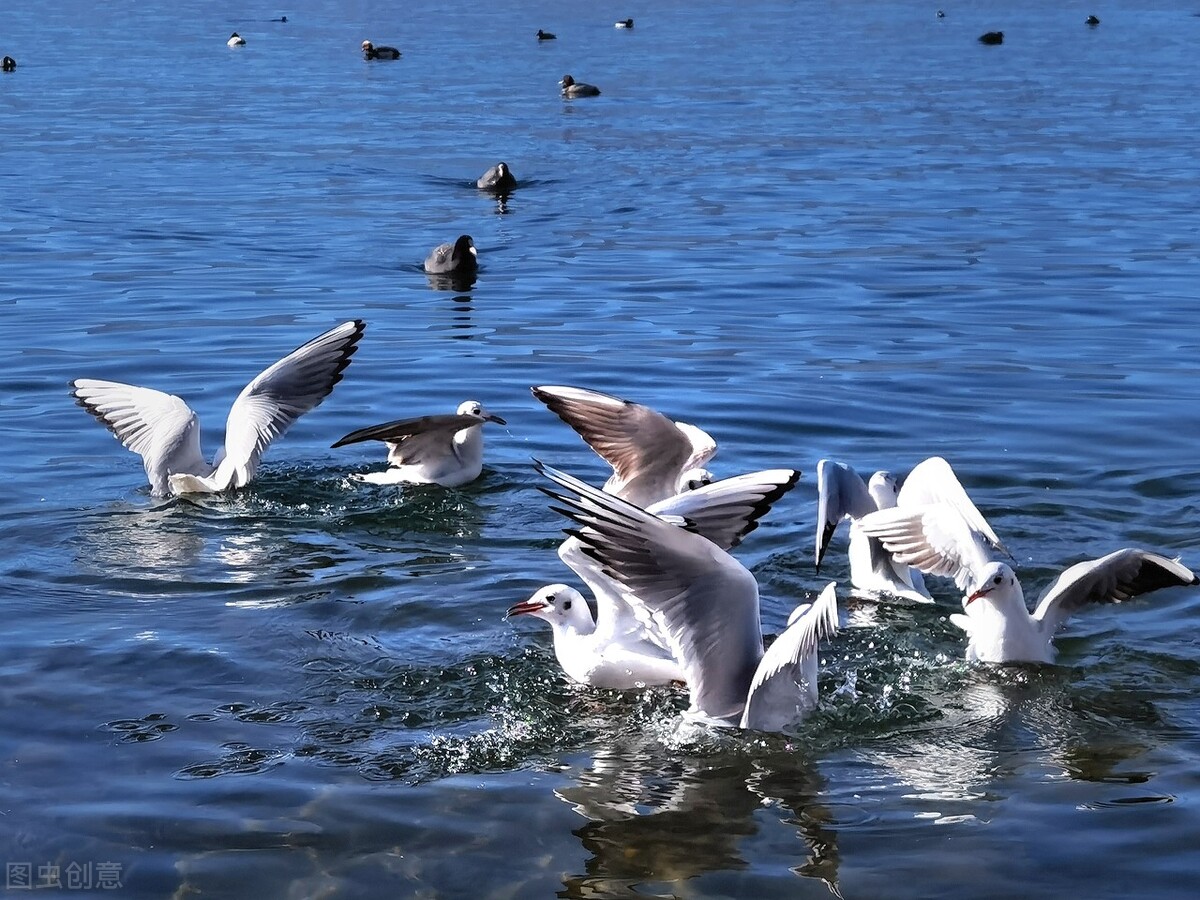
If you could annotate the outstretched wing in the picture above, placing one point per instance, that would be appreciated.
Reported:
(1109, 579)
(841, 492)
(414, 439)
(647, 451)
(935, 539)
(705, 600)
(160, 428)
(728, 510)
(933, 481)
(277, 397)
(784, 688)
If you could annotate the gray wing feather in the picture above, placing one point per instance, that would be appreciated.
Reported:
(647, 451)
(394, 432)
(705, 601)
(277, 397)
(728, 510)
(1110, 579)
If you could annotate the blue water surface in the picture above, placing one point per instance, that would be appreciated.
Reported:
(814, 229)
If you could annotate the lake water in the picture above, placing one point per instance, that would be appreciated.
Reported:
(814, 229)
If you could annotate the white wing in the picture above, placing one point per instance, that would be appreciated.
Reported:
(1109, 579)
(728, 510)
(784, 688)
(841, 492)
(934, 482)
(160, 428)
(276, 398)
(647, 451)
(935, 539)
(704, 599)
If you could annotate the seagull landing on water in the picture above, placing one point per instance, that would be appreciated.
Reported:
(445, 450)
(652, 457)
(622, 646)
(706, 604)
(165, 432)
(1000, 628)
(842, 494)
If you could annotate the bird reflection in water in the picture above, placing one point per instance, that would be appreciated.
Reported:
(659, 818)
(459, 283)
(136, 541)
(460, 321)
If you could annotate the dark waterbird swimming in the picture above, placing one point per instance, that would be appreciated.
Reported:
(458, 258)
(992, 37)
(498, 179)
(546, 36)
(10, 64)
(573, 88)
(370, 51)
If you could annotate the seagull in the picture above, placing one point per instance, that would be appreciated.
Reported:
(706, 604)
(947, 538)
(934, 526)
(165, 432)
(499, 178)
(841, 494)
(370, 51)
(624, 23)
(445, 450)
(589, 650)
(622, 646)
(235, 40)
(1000, 628)
(573, 88)
(458, 258)
(652, 457)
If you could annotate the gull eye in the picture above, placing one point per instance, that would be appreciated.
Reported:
(567, 605)
(997, 580)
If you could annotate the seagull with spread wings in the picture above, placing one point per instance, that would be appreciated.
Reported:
(446, 450)
(164, 431)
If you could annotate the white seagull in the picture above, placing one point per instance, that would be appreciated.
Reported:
(445, 450)
(939, 539)
(1000, 628)
(621, 646)
(165, 432)
(652, 457)
(706, 604)
(842, 494)
(935, 527)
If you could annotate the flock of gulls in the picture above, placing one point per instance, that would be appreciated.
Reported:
(670, 603)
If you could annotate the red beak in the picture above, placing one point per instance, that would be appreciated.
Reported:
(525, 606)
(982, 592)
